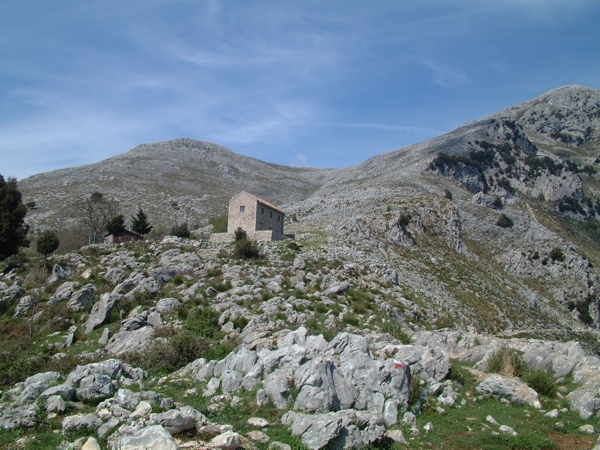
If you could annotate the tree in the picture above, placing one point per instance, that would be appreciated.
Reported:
(116, 224)
(140, 224)
(47, 243)
(97, 211)
(13, 230)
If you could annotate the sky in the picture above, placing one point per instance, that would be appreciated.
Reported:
(319, 83)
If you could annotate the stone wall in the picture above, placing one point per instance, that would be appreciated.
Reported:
(259, 236)
(268, 219)
(242, 213)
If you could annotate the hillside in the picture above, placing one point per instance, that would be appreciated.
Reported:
(410, 273)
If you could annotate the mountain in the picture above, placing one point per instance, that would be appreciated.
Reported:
(441, 295)
(504, 207)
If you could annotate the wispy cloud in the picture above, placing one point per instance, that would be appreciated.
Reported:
(443, 75)
(299, 160)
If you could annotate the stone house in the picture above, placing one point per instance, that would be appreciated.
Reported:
(261, 220)
(122, 236)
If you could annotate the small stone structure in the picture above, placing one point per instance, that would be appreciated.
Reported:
(261, 220)
(122, 236)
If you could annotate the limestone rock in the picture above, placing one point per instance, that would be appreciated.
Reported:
(101, 311)
(510, 387)
(154, 437)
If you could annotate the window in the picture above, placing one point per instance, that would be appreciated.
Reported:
(271, 214)
(242, 209)
(262, 210)
(278, 217)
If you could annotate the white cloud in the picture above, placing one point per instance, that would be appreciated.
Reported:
(299, 160)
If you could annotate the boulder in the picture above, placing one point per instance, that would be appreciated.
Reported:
(82, 298)
(276, 387)
(585, 400)
(91, 444)
(509, 387)
(130, 341)
(168, 305)
(25, 305)
(25, 416)
(226, 441)
(319, 382)
(55, 403)
(114, 275)
(231, 380)
(154, 437)
(94, 387)
(431, 362)
(58, 274)
(79, 422)
(342, 429)
(63, 292)
(173, 421)
(101, 311)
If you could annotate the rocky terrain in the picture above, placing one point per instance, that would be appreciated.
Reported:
(378, 326)
(298, 348)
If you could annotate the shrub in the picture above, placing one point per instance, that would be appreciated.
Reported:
(506, 361)
(448, 194)
(404, 220)
(395, 330)
(172, 353)
(240, 234)
(504, 221)
(350, 319)
(293, 246)
(180, 230)
(246, 249)
(556, 254)
(542, 382)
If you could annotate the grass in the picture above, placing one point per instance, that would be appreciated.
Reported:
(465, 426)
(506, 361)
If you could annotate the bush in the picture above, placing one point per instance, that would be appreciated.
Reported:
(246, 249)
(557, 255)
(504, 221)
(505, 361)
(542, 382)
(448, 194)
(350, 319)
(404, 220)
(240, 234)
(497, 203)
(395, 330)
(180, 230)
(172, 353)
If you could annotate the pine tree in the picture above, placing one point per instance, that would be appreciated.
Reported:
(13, 230)
(116, 224)
(140, 224)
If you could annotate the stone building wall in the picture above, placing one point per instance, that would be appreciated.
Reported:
(242, 213)
(268, 218)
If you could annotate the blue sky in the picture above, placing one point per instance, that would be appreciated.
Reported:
(306, 83)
